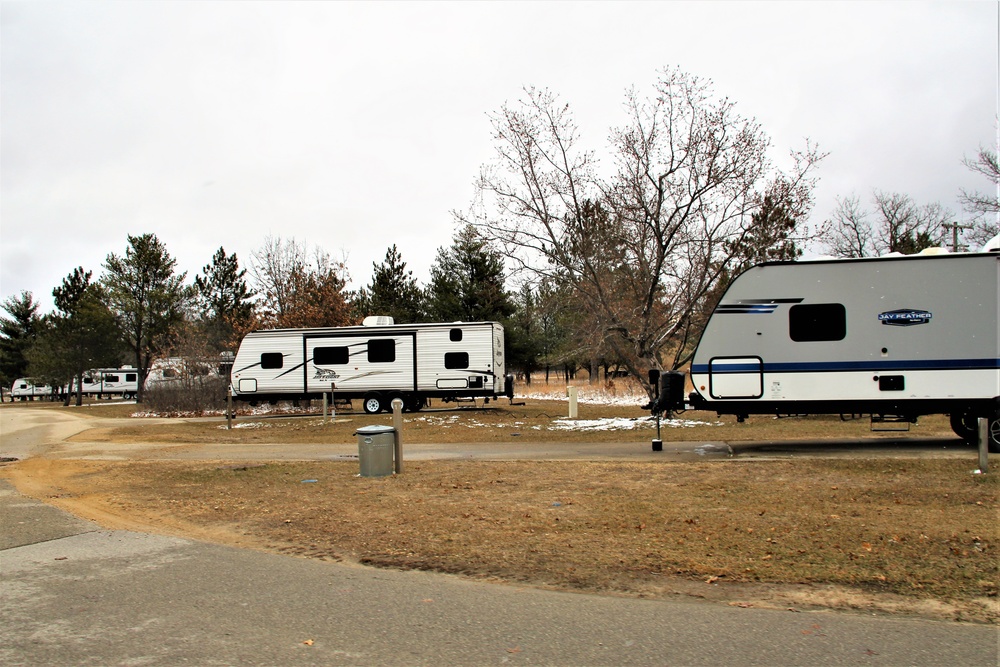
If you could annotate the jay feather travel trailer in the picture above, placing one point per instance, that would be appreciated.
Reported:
(892, 337)
(376, 362)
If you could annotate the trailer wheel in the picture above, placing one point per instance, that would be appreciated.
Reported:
(966, 426)
(412, 403)
(373, 404)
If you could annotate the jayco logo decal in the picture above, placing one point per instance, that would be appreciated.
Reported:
(905, 317)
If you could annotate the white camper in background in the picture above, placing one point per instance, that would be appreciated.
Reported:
(24, 389)
(376, 363)
(893, 337)
(176, 370)
(109, 382)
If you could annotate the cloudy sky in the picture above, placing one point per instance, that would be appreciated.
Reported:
(352, 126)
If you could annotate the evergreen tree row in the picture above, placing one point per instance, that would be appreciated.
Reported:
(141, 308)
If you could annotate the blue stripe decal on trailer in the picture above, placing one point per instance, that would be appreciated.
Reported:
(722, 367)
(753, 306)
(831, 366)
(744, 309)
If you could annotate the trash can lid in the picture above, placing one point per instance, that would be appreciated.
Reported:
(374, 429)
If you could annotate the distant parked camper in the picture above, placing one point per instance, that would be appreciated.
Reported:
(376, 363)
(176, 370)
(109, 382)
(893, 337)
(24, 389)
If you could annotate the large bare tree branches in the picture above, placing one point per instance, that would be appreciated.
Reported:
(299, 291)
(643, 239)
(984, 207)
(897, 224)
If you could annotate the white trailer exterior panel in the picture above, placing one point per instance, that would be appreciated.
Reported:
(414, 362)
(24, 389)
(903, 336)
(109, 382)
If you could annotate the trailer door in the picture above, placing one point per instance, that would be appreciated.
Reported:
(736, 377)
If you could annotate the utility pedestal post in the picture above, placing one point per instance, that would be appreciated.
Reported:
(984, 443)
(397, 423)
(654, 380)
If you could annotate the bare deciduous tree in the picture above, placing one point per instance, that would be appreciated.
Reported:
(642, 247)
(298, 292)
(985, 208)
(897, 224)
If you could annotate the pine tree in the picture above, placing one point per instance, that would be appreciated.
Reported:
(225, 300)
(467, 282)
(82, 334)
(393, 291)
(146, 297)
(17, 333)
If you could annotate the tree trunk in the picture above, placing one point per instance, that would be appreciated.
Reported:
(79, 390)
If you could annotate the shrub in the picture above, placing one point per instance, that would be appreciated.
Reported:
(197, 394)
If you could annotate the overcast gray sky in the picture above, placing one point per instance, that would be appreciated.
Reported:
(353, 126)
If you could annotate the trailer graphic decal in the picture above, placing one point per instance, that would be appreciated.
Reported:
(325, 374)
(753, 306)
(905, 317)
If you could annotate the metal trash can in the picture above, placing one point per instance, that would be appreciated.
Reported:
(375, 449)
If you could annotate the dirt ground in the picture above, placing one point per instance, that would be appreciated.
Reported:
(916, 536)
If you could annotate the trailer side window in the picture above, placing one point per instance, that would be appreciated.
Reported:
(456, 360)
(130, 377)
(382, 351)
(815, 322)
(455, 335)
(267, 360)
(329, 356)
(112, 378)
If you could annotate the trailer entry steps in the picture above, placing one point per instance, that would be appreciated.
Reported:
(890, 424)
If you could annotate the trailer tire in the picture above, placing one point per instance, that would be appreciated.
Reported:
(373, 404)
(966, 426)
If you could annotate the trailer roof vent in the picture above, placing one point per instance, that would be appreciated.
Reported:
(377, 321)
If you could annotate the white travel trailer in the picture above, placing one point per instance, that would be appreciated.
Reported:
(24, 389)
(109, 382)
(376, 363)
(899, 337)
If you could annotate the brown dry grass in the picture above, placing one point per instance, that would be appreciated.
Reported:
(535, 420)
(918, 536)
(913, 536)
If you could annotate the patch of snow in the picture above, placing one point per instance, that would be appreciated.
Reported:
(592, 396)
(623, 424)
(251, 425)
